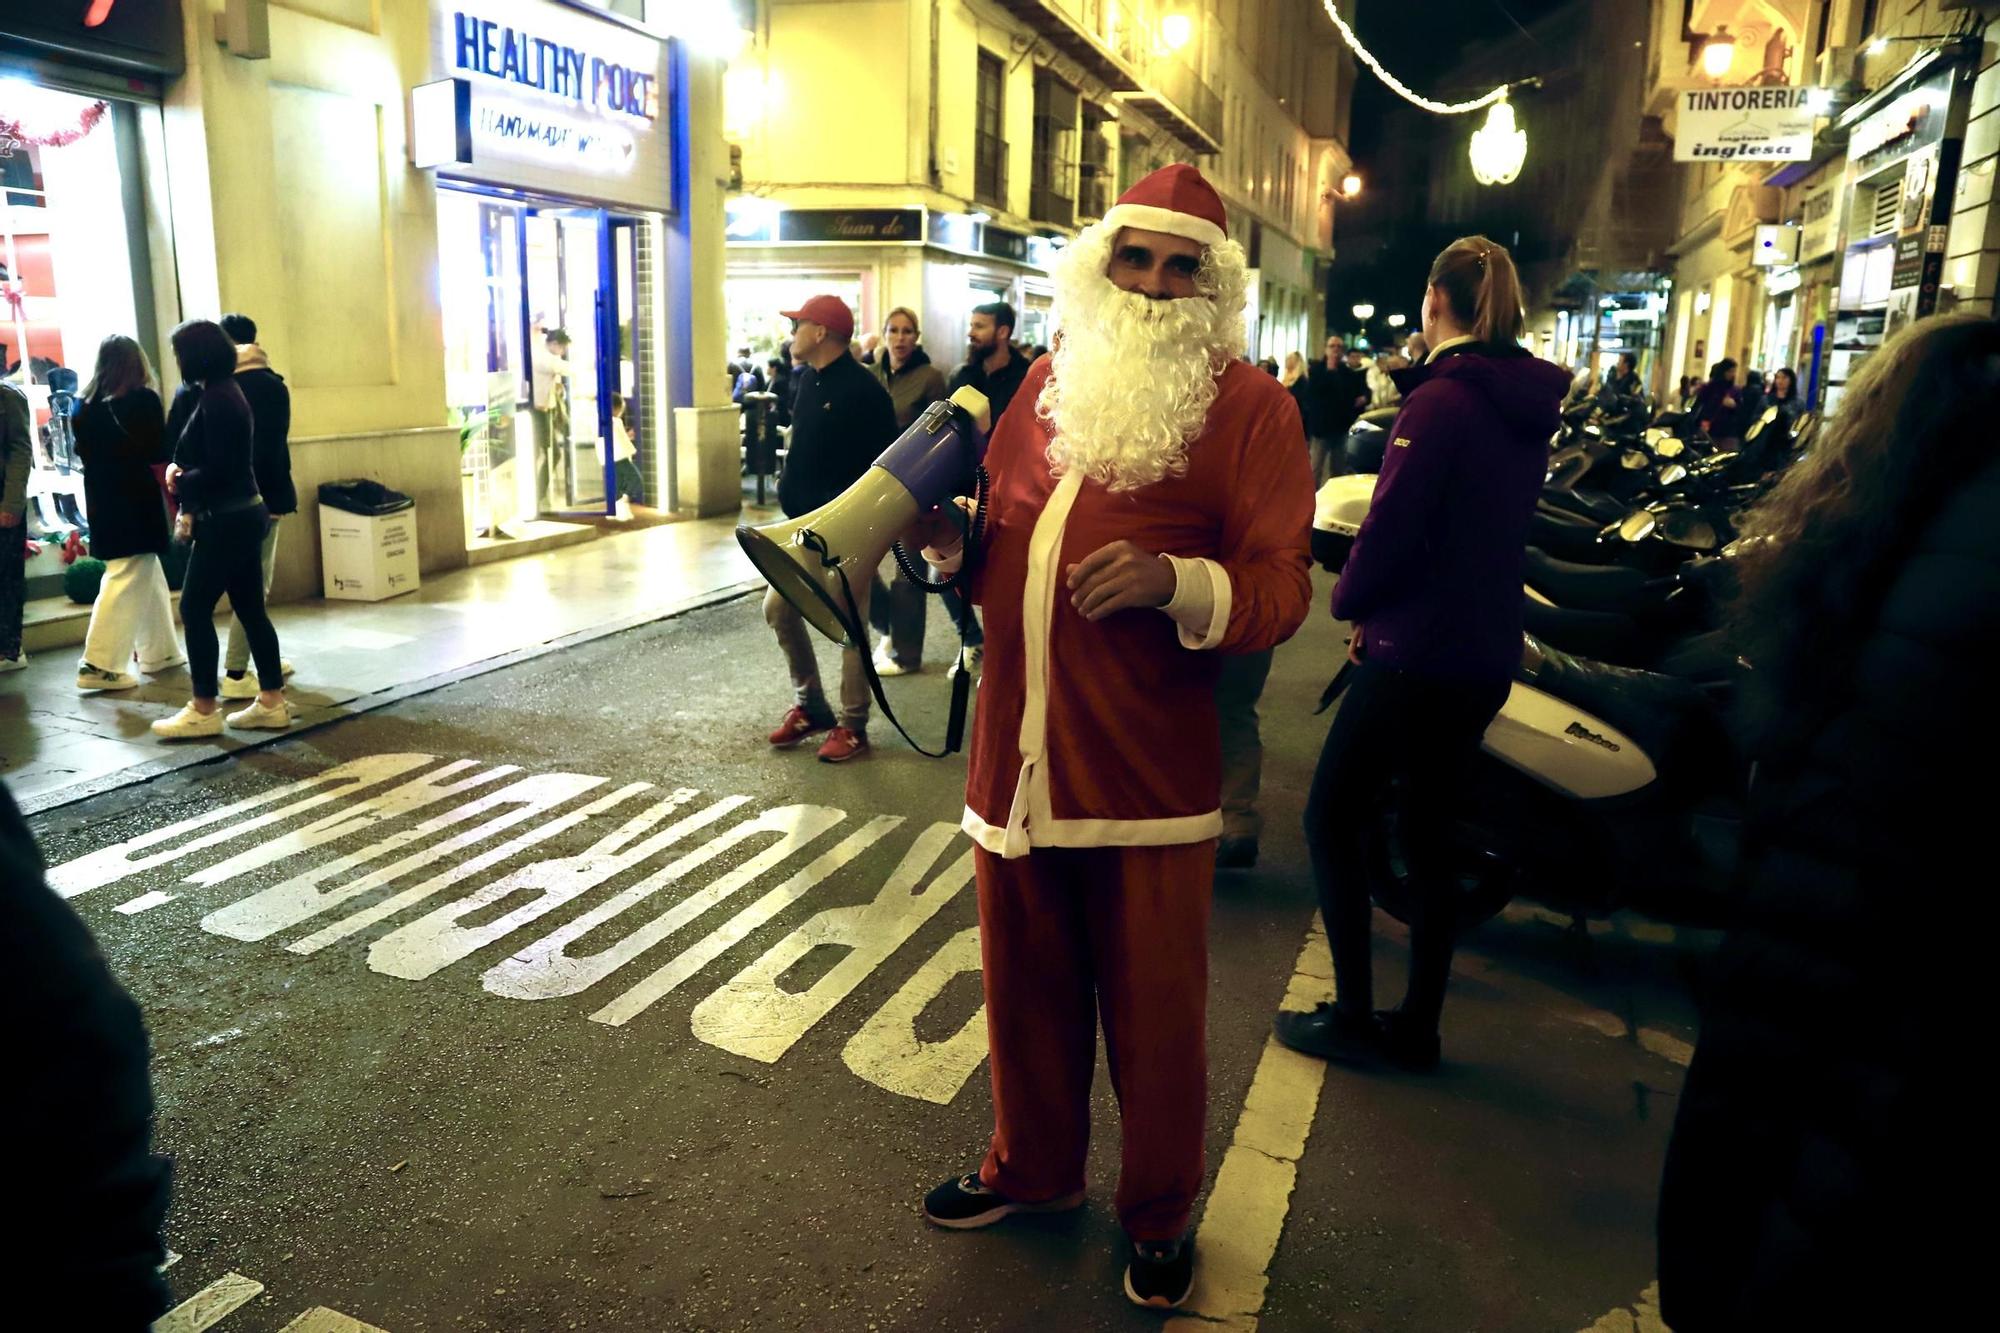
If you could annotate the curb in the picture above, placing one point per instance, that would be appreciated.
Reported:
(193, 757)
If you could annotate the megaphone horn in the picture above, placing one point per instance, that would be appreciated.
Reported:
(812, 561)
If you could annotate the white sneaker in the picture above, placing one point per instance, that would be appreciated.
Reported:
(18, 662)
(886, 665)
(259, 718)
(239, 687)
(188, 723)
(971, 659)
(93, 680)
(160, 668)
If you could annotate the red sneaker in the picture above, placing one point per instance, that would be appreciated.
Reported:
(842, 745)
(798, 725)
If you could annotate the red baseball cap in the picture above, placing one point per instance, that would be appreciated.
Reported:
(829, 312)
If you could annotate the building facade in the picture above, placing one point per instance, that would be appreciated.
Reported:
(1809, 264)
(404, 197)
(936, 154)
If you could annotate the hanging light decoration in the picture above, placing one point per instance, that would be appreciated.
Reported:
(1499, 147)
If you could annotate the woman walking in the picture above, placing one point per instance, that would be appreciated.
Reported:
(1820, 1116)
(213, 477)
(1433, 590)
(1299, 384)
(121, 436)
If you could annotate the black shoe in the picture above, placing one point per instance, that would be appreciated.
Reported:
(1160, 1274)
(963, 1203)
(1235, 853)
(1381, 1038)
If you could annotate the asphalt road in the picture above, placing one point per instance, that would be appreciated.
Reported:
(441, 1045)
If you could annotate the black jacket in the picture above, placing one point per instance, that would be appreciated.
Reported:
(214, 447)
(271, 411)
(1819, 1125)
(119, 440)
(842, 420)
(87, 1195)
(1332, 393)
(1000, 386)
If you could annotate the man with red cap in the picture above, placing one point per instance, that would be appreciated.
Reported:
(842, 420)
(1149, 511)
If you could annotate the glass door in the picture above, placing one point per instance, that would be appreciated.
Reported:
(565, 253)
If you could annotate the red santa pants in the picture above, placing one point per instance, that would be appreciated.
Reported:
(1066, 935)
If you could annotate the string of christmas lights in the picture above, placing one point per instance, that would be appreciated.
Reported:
(1367, 57)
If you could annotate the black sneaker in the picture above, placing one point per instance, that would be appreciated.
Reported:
(964, 1203)
(1236, 854)
(1381, 1038)
(1160, 1274)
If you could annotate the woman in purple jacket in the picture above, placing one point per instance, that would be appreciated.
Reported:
(1433, 590)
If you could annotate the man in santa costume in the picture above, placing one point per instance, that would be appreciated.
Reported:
(1151, 512)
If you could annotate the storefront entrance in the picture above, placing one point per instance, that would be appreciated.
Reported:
(541, 353)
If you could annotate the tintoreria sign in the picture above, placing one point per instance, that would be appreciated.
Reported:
(1740, 124)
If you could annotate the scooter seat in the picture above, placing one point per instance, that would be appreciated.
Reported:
(1604, 636)
(1588, 504)
(1672, 720)
(1577, 587)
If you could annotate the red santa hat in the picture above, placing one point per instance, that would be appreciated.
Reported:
(1176, 200)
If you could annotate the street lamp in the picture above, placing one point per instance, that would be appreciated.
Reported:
(1176, 30)
(1398, 321)
(1499, 147)
(1718, 53)
(1364, 312)
(1350, 185)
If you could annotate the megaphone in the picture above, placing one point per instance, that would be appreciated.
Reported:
(805, 558)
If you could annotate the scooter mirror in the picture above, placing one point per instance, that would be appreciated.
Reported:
(1634, 460)
(1671, 473)
(1638, 525)
(1669, 447)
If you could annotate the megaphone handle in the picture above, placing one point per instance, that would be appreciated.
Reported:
(975, 534)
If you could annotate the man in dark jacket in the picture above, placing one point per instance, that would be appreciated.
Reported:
(1337, 393)
(271, 416)
(993, 365)
(87, 1193)
(842, 420)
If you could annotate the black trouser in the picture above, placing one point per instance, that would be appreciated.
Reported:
(1424, 731)
(228, 558)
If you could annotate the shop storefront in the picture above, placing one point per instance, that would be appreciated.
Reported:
(1902, 172)
(938, 264)
(549, 130)
(81, 216)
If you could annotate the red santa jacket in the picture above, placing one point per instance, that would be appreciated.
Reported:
(1103, 734)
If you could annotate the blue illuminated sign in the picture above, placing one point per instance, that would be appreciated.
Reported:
(515, 55)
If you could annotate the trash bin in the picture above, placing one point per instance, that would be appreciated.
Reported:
(367, 541)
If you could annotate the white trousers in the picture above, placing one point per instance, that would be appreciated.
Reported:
(133, 610)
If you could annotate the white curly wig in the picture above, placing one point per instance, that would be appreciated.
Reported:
(1134, 377)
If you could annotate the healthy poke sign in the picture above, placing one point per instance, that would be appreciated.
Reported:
(1745, 124)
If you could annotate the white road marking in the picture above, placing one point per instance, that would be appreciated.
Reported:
(319, 1319)
(1246, 1210)
(108, 865)
(545, 970)
(887, 1052)
(751, 1015)
(210, 1305)
(145, 900)
(711, 946)
(1642, 1317)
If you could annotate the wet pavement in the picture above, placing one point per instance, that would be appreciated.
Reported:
(459, 1026)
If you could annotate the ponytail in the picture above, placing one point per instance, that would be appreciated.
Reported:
(1482, 289)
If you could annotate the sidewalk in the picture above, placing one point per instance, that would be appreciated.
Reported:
(58, 745)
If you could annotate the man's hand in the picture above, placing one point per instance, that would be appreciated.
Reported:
(8, 520)
(1355, 650)
(940, 530)
(173, 481)
(1117, 578)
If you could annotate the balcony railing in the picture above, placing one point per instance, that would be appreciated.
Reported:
(1093, 198)
(1182, 102)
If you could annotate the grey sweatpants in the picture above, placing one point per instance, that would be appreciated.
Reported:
(795, 637)
(1236, 695)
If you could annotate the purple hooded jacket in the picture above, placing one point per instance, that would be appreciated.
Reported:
(1435, 575)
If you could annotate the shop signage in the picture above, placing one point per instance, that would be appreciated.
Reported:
(1742, 124)
(1817, 234)
(1004, 244)
(1908, 269)
(541, 96)
(866, 225)
(1909, 124)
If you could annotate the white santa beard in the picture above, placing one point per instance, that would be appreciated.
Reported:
(1131, 383)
